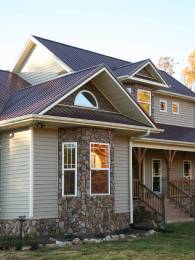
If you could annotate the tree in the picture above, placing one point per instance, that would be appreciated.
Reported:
(189, 71)
(167, 64)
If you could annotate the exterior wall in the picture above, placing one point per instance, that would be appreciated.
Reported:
(186, 116)
(14, 174)
(103, 103)
(85, 213)
(121, 174)
(45, 181)
(40, 66)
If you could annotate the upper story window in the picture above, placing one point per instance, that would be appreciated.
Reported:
(86, 99)
(100, 168)
(163, 106)
(129, 89)
(144, 99)
(175, 108)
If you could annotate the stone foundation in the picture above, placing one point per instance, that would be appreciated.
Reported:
(34, 228)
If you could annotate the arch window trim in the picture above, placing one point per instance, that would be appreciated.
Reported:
(83, 91)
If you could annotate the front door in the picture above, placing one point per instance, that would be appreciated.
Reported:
(156, 175)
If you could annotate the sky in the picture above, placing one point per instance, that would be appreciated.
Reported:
(127, 29)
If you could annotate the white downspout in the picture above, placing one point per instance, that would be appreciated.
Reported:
(131, 176)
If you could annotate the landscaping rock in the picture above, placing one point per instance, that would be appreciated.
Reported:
(77, 241)
(108, 238)
(63, 243)
(115, 237)
(151, 232)
(132, 236)
(122, 236)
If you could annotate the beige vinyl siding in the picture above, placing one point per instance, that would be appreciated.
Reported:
(186, 116)
(121, 168)
(14, 174)
(40, 66)
(45, 170)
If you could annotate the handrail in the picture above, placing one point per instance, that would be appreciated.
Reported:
(154, 201)
(186, 185)
(180, 197)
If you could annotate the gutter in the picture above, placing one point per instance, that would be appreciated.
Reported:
(33, 119)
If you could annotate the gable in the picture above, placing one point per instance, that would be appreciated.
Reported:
(40, 66)
(103, 103)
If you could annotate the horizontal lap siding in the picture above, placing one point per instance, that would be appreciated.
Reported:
(121, 168)
(14, 174)
(45, 173)
(40, 66)
(186, 116)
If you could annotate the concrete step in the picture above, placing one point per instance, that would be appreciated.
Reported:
(174, 214)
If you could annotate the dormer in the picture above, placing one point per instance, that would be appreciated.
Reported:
(37, 64)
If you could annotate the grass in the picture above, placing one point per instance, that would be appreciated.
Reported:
(179, 244)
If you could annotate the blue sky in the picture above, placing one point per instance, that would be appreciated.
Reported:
(132, 30)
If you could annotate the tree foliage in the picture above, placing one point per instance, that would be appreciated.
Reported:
(189, 71)
(167, 64)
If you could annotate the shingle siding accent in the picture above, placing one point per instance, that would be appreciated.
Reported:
(103, 103)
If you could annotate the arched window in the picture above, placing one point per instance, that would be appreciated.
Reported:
(86, 99)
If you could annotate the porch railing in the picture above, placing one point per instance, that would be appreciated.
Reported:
(182, 198)
(186, 185)
(154, 201)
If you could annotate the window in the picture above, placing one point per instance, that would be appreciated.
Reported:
(100, 169)
(163, 106)
(69, 169)
(144, 99)
(86, 99)
(156, 175)
(175, 108)
(187, 169)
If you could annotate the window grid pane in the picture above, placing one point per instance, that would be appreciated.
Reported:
(69, 169)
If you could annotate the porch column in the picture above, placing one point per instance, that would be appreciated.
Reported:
(169, 157)
(139, 155)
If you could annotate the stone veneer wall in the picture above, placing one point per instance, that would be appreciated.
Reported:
(85, 213)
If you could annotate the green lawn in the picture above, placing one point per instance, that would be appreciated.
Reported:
(179, 244)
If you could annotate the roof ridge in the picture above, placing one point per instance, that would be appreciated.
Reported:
(131, 63)
(68, 45)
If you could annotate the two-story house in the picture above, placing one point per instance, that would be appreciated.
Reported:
(84, 135)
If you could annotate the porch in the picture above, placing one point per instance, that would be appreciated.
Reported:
(164, 180)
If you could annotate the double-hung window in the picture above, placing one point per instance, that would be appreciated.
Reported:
(69, 169)
(99, 169)
(144, 99)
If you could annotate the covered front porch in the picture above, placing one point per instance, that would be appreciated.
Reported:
(164, 179)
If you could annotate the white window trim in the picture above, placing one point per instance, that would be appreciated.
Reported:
(177, 104)
(159, 176)
(80, 92)
(165, 101)
(189, 161)
(150, 101)
(107, 169)
(69, 195)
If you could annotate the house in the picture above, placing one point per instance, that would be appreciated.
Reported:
(85, 137)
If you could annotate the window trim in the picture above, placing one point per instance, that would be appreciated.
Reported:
(103, 169)
(190, 161)
(80, 92)
(157, 159)
(76, 165)
(150, 101)
(177, 104)
(165, 101)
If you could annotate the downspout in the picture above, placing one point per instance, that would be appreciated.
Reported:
(131, 175)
